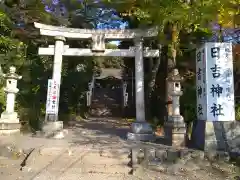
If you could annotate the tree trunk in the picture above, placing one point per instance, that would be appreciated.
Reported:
(170, 67)
(160, 90)
(167, 65)
(171, 63)
(152, 82)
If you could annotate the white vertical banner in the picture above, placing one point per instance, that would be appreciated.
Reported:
(52, 97)
(201, 83)
(220, 84)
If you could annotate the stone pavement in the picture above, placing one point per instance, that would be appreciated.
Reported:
(92, 149)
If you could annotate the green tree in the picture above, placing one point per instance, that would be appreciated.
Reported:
(18, 47)
(181, 25)
(12, 50)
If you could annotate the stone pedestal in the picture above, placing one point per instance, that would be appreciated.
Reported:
(216, 136)
(9, 123)
(175, 131)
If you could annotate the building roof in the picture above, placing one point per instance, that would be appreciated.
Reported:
(110, 72)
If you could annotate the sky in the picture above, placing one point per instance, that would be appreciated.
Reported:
(108, 17)
(229, 35)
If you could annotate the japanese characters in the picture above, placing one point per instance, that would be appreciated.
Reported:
(214, 78)
(200, 81)
(51, 105)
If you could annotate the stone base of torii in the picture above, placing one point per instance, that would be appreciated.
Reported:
(53, 129)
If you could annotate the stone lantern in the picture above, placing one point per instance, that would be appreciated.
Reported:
(175, 91)
(175, 128)
(9, 122)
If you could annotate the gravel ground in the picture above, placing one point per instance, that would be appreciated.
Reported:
(93, 149)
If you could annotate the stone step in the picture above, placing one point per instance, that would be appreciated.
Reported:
(116, 152)
(75, 160)
(45, 162)
(97, 176)
(105, 168)
(98, 159)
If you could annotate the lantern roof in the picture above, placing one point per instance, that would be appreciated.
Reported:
(12, 74)
(174, 76)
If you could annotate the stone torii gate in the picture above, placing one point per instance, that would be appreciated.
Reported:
(141, 130)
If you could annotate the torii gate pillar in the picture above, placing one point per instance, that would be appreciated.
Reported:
(58, 57)
(141, 130)
(52, 125)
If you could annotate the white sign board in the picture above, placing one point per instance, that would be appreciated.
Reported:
(52, 97)
(201, 83)
(214, 79)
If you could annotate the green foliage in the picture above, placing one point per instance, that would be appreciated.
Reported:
(188, 15)
(2, 99)
(188, 101)
(18, 49)
(12, 50)
(237, 112)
